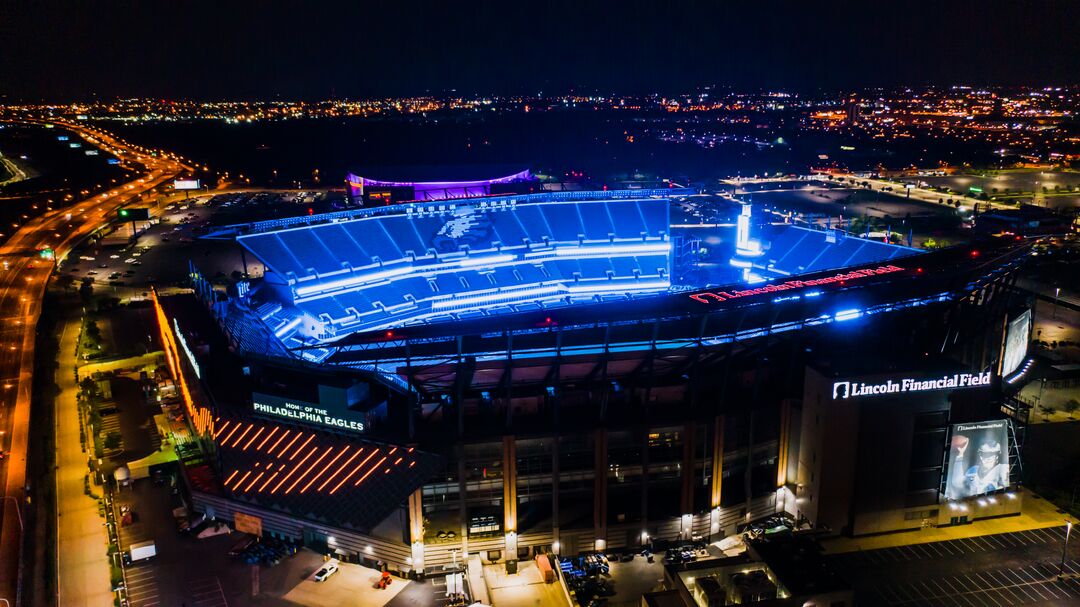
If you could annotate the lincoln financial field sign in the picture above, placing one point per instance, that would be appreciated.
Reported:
(901, 385)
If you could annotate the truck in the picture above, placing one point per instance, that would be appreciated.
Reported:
(141, 551)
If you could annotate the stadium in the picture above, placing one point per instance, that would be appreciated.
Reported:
(503, 376)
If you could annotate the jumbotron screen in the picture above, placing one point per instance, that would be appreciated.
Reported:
(1016, 343)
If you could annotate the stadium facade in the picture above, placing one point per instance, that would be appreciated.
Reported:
(512, 375)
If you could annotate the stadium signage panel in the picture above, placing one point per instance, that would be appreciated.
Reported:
(186, 184)
(303, 412)
(957, 381)
(718, 296)
(187, 350)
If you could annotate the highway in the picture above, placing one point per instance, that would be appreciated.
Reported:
(23, 278)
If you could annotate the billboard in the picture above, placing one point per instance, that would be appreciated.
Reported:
(130, 214)
(185, 184)
(978, 459)
(1017, 336)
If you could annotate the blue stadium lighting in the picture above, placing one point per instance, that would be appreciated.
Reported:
(847, 315)
(487, 260)
(611, 251)
(388, 366)
(289, 326)
(1022, 372)
(498, 297)
(304, 292)
(359, 279)
(621, 287)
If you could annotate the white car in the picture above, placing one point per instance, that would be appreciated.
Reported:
(328, 569)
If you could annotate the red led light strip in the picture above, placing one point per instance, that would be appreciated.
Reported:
(718, 296)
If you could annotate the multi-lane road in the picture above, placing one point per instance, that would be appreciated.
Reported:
(23, 277)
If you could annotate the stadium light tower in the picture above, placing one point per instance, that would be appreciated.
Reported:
(746, 249)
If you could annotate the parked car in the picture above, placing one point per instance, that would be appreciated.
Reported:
(329, 569)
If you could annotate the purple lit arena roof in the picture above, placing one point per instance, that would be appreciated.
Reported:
(423, 178)
(439, 183)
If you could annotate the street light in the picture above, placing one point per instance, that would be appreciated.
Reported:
(1057, 298)
(1065, 549)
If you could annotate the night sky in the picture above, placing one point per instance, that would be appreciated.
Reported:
(74, 50)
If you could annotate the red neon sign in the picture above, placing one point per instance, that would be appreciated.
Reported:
(712, 297)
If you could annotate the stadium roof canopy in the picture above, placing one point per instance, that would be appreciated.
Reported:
(441, 175)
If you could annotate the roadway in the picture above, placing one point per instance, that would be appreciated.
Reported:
(23, 279)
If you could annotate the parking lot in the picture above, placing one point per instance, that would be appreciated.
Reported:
(994, 570)
(160, 254)
(142, 587)
(1033, 584)
(952, 548)
(206, 592)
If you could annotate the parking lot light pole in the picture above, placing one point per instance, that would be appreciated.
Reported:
(1065, 549)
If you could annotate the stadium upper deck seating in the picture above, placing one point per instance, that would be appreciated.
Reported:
(315, 252)
(397, 269)
(795, 250)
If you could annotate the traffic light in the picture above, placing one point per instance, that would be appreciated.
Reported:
(123, 213)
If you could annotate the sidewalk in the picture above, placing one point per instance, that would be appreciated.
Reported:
(83, 567)
(1036, 513)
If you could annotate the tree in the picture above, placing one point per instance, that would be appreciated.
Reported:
(1071, 405)
(112, 440)
(108, 303)
(86, 290)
